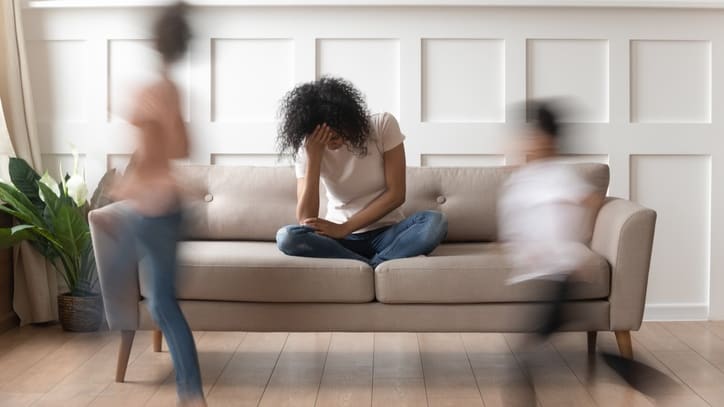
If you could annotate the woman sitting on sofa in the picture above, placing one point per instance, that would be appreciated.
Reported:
(360, 159)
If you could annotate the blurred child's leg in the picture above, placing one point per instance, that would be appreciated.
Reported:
(158, 238)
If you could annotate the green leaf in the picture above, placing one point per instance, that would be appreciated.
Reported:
(24, 209)
(20, 228)
(52, 202)
(10, 211)
(71, 231)
(57, 228)
(66, 270)
(87, 276)
(9, 237)
(25, 179)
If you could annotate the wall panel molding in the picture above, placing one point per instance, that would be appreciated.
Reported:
(43, 4)
(647, 97)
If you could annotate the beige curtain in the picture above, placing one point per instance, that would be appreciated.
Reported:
(35, 286)
(6, 147)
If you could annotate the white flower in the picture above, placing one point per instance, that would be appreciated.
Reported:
(75, 159)
(75, 186)
(77, 189)
(48, 181)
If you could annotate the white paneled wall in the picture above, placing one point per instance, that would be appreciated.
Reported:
(450, 93)
(649, 98)
(371, 64)
(249, 76)
(681, 280)
(572, 68)
(671, 81)
(69, 102)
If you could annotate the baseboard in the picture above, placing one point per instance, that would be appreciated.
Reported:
(8, 321)
(676, 312)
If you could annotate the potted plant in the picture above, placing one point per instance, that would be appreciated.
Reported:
(52, 216)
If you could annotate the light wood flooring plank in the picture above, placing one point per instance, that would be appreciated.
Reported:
(215, 349)
(143, 378)
(55, 366)
(555, 383)
(604, 385)
(298, 373)
(86, 382)
(501, 380)
(30, 352)
(244, 379)
(398, 375)
(18, 399)
(700, 375)
(656, 338)
(449, 379)
(12, 338)
(702, 340)
(45, 367)
(348, 372)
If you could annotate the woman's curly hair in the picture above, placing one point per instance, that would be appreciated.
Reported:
(329, 100)
(172, 32)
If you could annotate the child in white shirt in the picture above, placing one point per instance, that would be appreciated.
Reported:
(545, 212)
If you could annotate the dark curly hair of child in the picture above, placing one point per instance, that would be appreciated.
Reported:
(172, 32)
(545, 117)
(329, 100)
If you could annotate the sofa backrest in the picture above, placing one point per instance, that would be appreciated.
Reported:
(252, 203)
(469, 196)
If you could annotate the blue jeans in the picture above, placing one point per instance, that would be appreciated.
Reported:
(418, 234)
(153, 241)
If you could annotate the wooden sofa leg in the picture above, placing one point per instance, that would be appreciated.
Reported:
(623, 339)
(157, 340)
(592, 336)
(123, 354)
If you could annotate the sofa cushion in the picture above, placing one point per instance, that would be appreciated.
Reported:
(237, 203)
(476, 273)
(259, 272)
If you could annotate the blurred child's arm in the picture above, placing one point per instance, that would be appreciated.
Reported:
(179, 139)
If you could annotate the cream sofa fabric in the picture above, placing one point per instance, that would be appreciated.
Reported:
(232, 277)
(377, 317)
(259, 272)
(475, 273)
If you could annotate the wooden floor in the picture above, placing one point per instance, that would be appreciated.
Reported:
(44, 366)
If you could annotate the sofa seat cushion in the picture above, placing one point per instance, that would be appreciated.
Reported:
(476, 273)
(259, 272)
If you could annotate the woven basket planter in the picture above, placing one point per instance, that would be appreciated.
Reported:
(80, 314)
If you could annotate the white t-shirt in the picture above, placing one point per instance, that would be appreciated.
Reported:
(542, 217)
(353, 182)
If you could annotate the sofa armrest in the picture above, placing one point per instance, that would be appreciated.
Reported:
(120, 287)
(624, 235)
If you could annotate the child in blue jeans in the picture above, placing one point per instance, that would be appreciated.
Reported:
(149, 228)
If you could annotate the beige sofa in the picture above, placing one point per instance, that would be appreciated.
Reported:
(232, 277)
